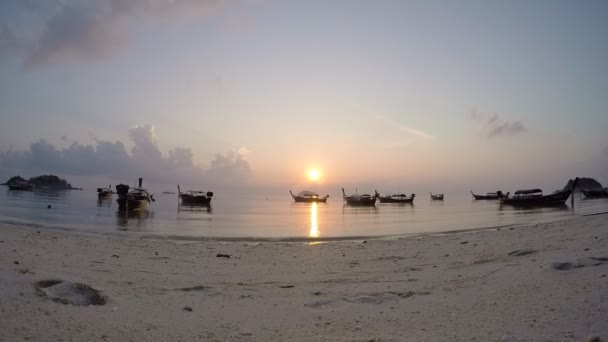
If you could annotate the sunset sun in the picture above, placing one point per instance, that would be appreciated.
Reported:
(314, 175)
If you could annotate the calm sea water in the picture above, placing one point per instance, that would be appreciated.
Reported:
(275, 216)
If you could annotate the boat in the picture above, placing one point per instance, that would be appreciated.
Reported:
(104, 192)
(21, 186)
(359, 200)
(490, 195)
(133, 199)
(437, 197)
(194, 197)
(396, 198)
(535, 197)
(308, 197)
(595, 193)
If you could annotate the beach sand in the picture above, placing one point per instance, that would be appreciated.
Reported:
(542, 282)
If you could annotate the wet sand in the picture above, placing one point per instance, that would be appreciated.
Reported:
(542, 282)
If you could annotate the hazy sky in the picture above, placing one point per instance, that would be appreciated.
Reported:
(449, 94)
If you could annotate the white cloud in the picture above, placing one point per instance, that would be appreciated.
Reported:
(112, 159)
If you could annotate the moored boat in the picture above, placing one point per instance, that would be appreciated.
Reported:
(104, 192)
(132, 199)
(194, 197)
(359, 200)
(308, 197)
(535, 197)
(21, 186)
(490, 195)
(395, 198)
(436, 197)
(595, 193)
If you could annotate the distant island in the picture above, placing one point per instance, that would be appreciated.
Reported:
(50, 182)
(585, 183)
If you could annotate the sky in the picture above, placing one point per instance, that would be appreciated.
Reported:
(425, 95)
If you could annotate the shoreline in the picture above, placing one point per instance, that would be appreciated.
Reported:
(538, 282)
(162, 236)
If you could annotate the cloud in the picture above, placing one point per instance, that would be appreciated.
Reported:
(47, 31)
(494, 126)
(106, 158)
(230, 165)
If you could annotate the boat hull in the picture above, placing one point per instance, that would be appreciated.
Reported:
(310, 200)
(484, 197)
(556, 199)
(360, 202)
(125, 204)
(103, 195)
(394, 200)
(194, 200)
(595, 193)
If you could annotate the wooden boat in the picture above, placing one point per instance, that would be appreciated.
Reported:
(490, 195)
(133, 199)
(194, 197)
(308, 197)
(398, 198)
(437, 197)
(21, 186)
(595, 193)
(359, 200)
(535, 197)
(104, 192)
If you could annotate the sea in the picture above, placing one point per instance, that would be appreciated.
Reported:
(274, 217)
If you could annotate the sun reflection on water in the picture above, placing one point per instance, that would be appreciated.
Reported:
(314, 226)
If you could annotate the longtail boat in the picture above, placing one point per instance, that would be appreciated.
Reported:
(133, 199)
(436, 197)
(535, 197)
(359, 200)
(194, 197)
(395, 198)
(104, 192)
(308, 197)
(595, 193)
(490, 195)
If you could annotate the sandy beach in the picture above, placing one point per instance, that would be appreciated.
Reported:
(542, 282)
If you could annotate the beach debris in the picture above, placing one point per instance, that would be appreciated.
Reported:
(586, 249)
(594, 339)
(193, 288)
(67, 292)
(522, 252)
(364, 241)
(49, 206)
(287, 286)
(115, 256)
(16, 262)
(25, 271)
(464, 242)
(187, 308)
(317, 293)
(564, 266)
(223, 256)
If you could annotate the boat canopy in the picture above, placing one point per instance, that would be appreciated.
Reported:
(527, 192)
(307, 193)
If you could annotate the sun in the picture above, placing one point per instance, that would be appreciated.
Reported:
(314, 175)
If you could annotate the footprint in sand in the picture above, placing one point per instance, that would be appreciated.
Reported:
(67, 292)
